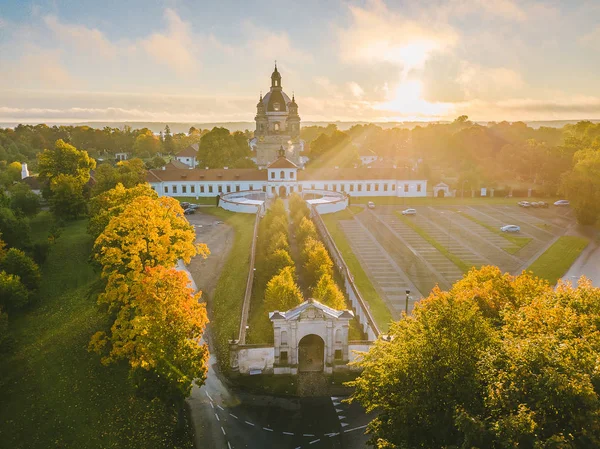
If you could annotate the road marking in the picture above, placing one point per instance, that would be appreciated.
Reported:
(337, 410)
(217, 416)
(355, 428)
(267, 429)
(208, 395)
(288, 433)
(340, 417)
(248, 422)
(343, 424)
(307, 435)
(331, 435)
(231, 414)
(223, 430)
(228, 445)
(212, 405)
(314, 441)
(335, 404)
(220, 407)
(334, 398)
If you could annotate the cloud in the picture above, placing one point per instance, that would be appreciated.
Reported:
(40, 68)
(507, 9)
(377, 34)
(173, 48)
(488, 82)
(83, 38)
(592, 38)
(268, 45)
(356, 90)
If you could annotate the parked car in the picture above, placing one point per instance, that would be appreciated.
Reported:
(409, 212)
(184, 204)
(510, 228)
(534, 204)
(193, 206)
(371, 205)
(524, 203)
(562, 203)
(189, 211)
(543, 204)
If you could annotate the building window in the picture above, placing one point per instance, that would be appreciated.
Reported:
(284, 341)
(418, 187)
(360, 187)
(352, 187)
(291, 175)
(312, 186)
(276, 126)
(335, 187)
(281, 174)
(385, 187)
(393, 186)
(291, 189)
(377, 187)
(210, 189)
(299, 187)
(368, 187)
(326, 187)
(183, 189)
(237, 188)
(153, 188)
(272, 175)
(276, 107)
(202, 188)
(174, 189)
(273, 190)
(338, 335)
(406, 187)
(264, 189)
(338, 354)
(193, 189)
(166, 189)
(283, 357)
(220, 189)
(228, 188)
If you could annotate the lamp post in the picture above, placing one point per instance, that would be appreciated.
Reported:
(407, 296)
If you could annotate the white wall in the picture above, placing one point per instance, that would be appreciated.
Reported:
(239, 207)
(255, 358)
(352, 352)
(198, 186)
(330, 208)
(373, 187)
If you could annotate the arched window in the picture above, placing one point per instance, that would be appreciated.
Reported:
(338, 336)
(284, 340)
(276, 126)
(291, 175)
(276, 106)
(282, 175)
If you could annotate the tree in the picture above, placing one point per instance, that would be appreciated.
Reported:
(105, 179)
(67, 200)
(13, 294)
(276, 261)
(157, 162)
(168, 142)
(4, 334)
(327, 292)
(65, 159)
(10, 174)
(282, 293)
(149, 232)
(146, 144)
(420, 379)
(111, 203)
(582, 186)
(14, 230)
(306, 229)
(18, 263)
(158, 331)
(317, 263)
(23, 200)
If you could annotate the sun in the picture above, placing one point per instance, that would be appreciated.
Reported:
(407, 101)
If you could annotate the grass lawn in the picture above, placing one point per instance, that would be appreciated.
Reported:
(430, 201)
(557, 259)
(225, 308)
(40, 227)
(464, 267)
(210, 200)
(379, 310)
(53, 392)
(518, 242)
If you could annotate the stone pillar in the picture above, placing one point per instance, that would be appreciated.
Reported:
(345, 342)
(293, 344)
(329, 342)
(234, 355)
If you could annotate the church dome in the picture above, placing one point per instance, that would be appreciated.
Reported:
(276, 101)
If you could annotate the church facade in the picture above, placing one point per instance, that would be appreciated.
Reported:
(277, 125)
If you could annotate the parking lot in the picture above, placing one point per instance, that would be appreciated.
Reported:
(439, 243)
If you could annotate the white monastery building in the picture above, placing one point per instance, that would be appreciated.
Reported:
(278, 148)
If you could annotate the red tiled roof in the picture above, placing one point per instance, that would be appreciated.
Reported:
(232, 174)
(282, 162)
(190, 151)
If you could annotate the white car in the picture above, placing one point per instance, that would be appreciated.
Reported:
(371, 205)
(524, 204)
(562, 203)
(409, 212)
(510, 228)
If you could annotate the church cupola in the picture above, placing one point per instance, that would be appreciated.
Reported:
(276, 78)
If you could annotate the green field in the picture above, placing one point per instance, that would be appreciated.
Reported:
(225, 307)
(209, 200)
(518, 242)
(53, 392)
(557, 259)
(379, 310)
(464, 267)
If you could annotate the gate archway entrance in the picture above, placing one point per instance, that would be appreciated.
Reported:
(311, 354)
(441, 194)
(282, 193)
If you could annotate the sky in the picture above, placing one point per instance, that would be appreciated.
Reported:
(370, 60)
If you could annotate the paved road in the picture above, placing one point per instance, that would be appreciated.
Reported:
(230, 419)
(587, 264)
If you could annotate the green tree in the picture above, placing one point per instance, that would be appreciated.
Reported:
(317, 263)
(282, 293)
(4, 333)
(14, 230)
(67, 200)
(168, 140)
(13, 294)
(327, 292)
(18, 263)
(276, 261)
(65, 159)
(23, 200)
(582, 186)
(306, 229)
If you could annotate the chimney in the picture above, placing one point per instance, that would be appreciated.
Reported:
(24, 171)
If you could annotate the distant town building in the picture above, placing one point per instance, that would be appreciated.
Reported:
(277, 125)
(189, 155)
(121, 157)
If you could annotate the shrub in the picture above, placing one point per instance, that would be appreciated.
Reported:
(13, 294)
(23, 200)
(18, 263)
(282, 292)
(15, 231)
(327, 292)
(40, 252)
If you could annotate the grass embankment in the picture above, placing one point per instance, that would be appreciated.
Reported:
(379, 310)
(557, 259)
(519, 242)
(225, 307)
(430, 201)
(208, 200)
(53, 392)
(461, 264)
